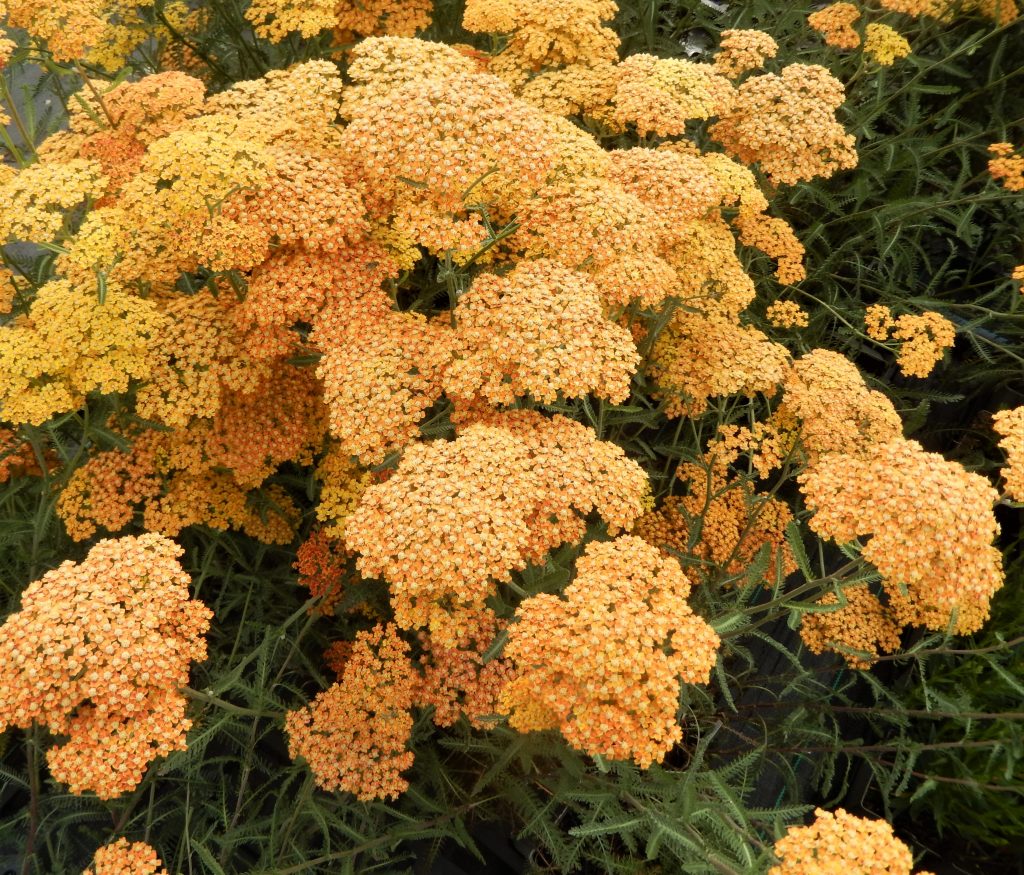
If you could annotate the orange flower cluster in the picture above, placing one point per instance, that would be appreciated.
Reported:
(885, 45)
(1006, 166)
(354, 735)
(787, 314)
(836, 412)
(931, 526)
(126, 858)
(740, 51)
(604, 663)
(735, 523)
(545, 33)
(699, 357)
(97, 653)
(787, 124)
(924, 338)
(456, 680)
(1000, 11)
(539, 331)
(835, 23)
(841, 842)
(1009, 425)
(860, 624)
(443, 529)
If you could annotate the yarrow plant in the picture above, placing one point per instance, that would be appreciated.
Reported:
(412, 422)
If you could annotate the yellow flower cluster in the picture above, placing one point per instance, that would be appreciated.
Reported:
(354, 735)
(1006, 166)
(603, 664)
(70, 344)
(786, 123)
(835, 24)
(842, 842)
(33, 202)
(1009, 425)
(126, 858)
(97, 653)
(924, 338)
(930, 523)
(884, 44)
(861, 624)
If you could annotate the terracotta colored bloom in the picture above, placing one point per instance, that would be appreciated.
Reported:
(841, 842)
(1009, 424)
(97, 653)
(930, 524)
(353, 736)
(456, 680)
(126, 858)
(604, 663)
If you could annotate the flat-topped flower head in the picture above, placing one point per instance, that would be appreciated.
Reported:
(841, 842)
(930, 524)
(1009, 424)
(618, 695)
(126, 858)
(96, 653)
(354, 735)
(835, 23)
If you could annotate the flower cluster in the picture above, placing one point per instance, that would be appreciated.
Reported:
(924, 338)
(731, 521)
(787, 314)
(1009, 425)
(1000, 11)
(835, 23)
(740, 51)
(126, 858)
(456, 679)
(97, 653)
(859, 627)
(617, 694)
(443, 529)
(930, 522)
(842, 842)
(884, 44)
(786, 123)
(1006, 166)
(354, 734)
